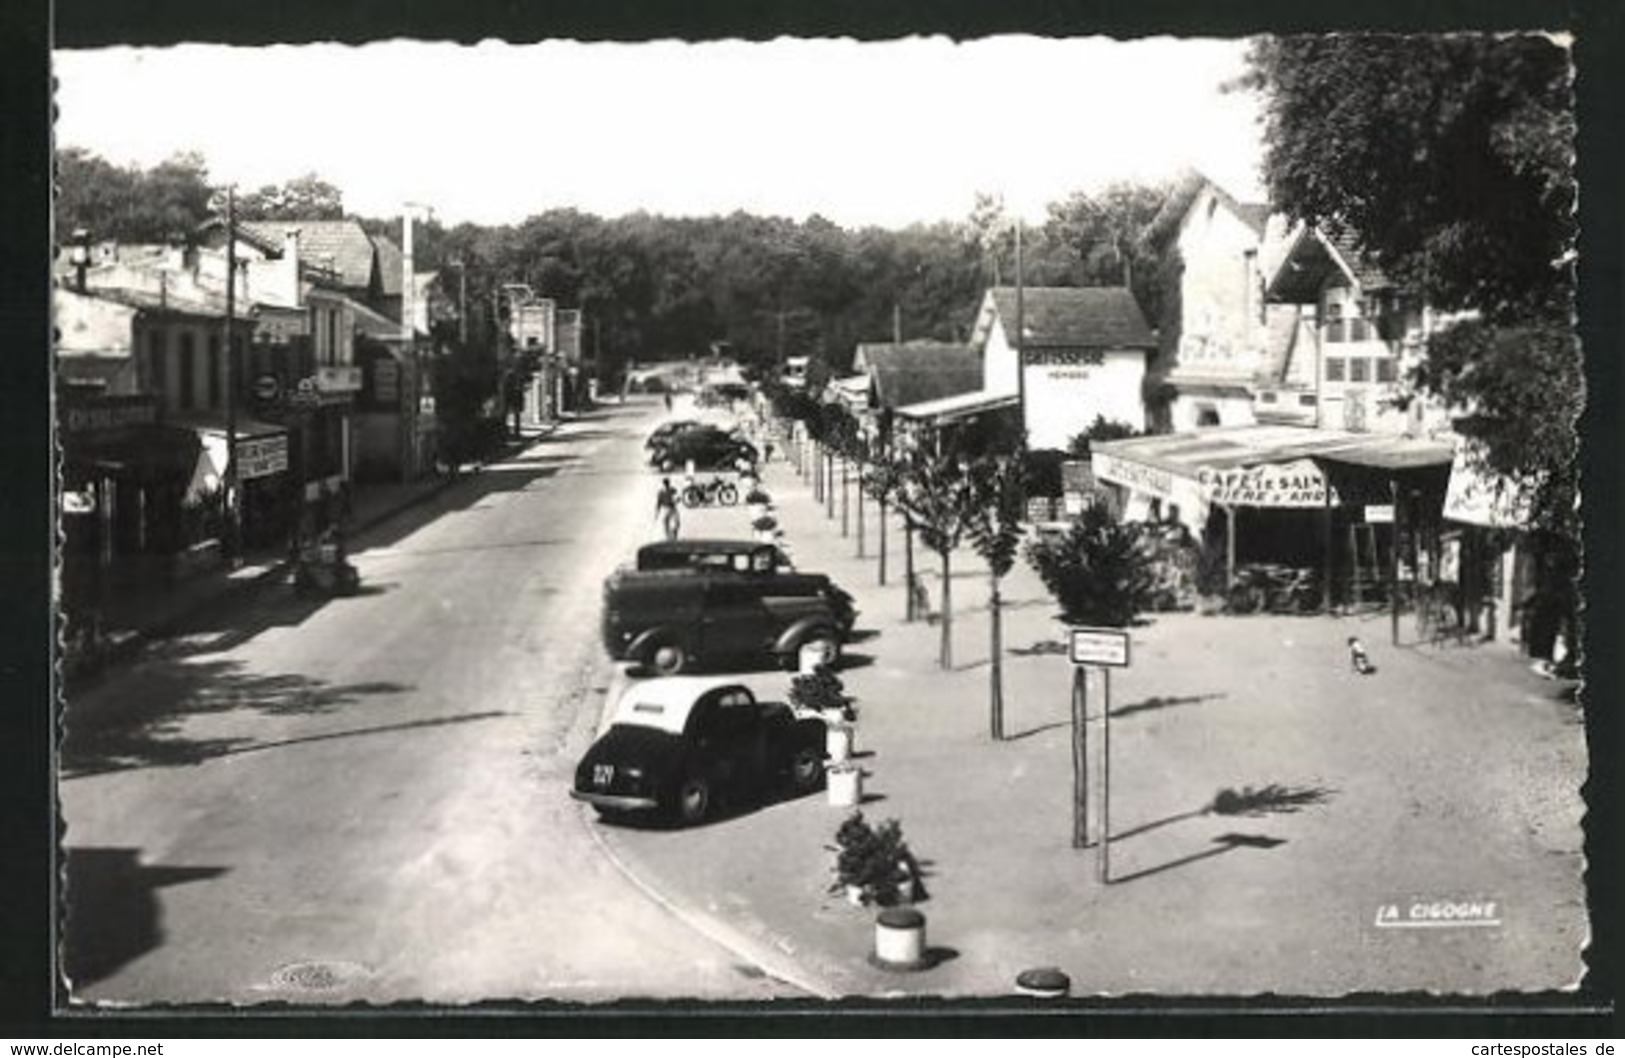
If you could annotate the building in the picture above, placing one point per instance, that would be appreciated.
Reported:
(1083, 356)
(1227, 354)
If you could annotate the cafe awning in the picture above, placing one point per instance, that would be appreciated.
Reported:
(1255, 465)
(262, 447)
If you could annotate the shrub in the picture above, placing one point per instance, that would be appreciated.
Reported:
(822, 691)
(765, 524)
(757, 496)
(876, 861)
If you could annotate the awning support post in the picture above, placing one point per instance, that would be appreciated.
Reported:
(1328, 561)
(1229, 545)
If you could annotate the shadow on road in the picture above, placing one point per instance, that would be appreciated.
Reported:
(1225, 842)
(1159, 702)
(112, 910)
(142, 727)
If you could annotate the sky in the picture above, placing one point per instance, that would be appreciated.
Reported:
(861, 133)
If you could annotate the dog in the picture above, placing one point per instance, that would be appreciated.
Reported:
(1358, 660)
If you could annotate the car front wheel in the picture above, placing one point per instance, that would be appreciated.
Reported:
(693, 800)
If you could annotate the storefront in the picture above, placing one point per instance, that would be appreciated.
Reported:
(1317, 501)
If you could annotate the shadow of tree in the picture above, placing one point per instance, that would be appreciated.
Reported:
(111, 910)
(141, 728)
(1268, 800)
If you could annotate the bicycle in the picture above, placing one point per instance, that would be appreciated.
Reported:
(715, 491)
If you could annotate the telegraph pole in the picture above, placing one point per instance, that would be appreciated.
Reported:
(234, 525)
(1020, 337)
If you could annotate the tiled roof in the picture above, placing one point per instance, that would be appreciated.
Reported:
(1188, 185)
(1092, 317)
(390, 265)
(345, 242)
(920, 371)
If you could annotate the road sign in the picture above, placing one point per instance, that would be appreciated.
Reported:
(267, 387)
(1099, 646)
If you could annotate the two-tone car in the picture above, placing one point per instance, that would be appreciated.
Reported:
(677, 747)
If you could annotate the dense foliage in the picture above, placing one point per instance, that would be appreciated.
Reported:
(1451, 159)
(1100, 570)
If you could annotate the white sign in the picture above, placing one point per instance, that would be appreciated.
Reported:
(262, 456)
(1379, 513)
(1099, 646)
(1299, 483)
(78, 502)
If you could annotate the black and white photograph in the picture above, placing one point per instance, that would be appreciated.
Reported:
(792, 521)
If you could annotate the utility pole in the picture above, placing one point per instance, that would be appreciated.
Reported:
(1020, 338)
(234, 525)
(897, 323)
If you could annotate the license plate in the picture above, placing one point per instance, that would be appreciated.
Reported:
(603, 774)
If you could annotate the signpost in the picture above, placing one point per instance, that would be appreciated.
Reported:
(1107, 649)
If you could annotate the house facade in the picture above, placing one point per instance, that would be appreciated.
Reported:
(1084, 355)
(1227, 355)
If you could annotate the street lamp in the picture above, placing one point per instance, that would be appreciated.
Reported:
(79, 254)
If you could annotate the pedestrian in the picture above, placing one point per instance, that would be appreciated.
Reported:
(668, 403)
(767, 450)
(666, 508)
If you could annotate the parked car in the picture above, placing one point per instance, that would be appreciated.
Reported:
(674, 620)
(666, 430)
(675, 747)
(744, 558)
(709, 448)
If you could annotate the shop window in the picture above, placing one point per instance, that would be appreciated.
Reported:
(1207, 415)
(1387, 369)
(1307, 400)
(1334, 369)
(1268, 396)
(188, 379)
(1359, 369)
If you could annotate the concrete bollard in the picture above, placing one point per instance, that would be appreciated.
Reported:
(844, 785)
(900, 939)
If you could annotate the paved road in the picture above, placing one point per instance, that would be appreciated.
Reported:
(365, 798)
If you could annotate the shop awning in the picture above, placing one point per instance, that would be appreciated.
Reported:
(1252, 466)
(262, 447)
(957, 408)
(1478, 496)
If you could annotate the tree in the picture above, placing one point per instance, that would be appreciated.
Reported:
(1450, 159)
(307, 197)
(163, 204)
(995, 527)
(1102, 429)
(938, 496)
(1100, 571)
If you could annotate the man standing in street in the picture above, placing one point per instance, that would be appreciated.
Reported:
(666, 508)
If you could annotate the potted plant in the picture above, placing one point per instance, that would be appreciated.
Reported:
(874, 865)
(765, 526)
(822, 692)
(758, 499)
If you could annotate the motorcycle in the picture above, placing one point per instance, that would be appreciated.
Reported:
(715, 491)
(323, 568)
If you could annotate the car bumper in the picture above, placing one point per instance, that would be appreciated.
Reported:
(618, 802)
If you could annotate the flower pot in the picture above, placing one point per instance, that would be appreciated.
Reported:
(844, 786)
(758, 510)
(838, 743)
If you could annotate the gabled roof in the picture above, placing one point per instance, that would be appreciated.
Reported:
(1178, 203)
(1071, 317)
(920, 371)
(1311, 255)
(345, 242)
(391, 262)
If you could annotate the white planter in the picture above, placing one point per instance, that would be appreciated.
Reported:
(838, 743)
(844, 786)
(757, 510)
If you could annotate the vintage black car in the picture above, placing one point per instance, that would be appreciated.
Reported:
(676, 619)
(667, 430)
(745, 558)
(676, 747)
(708, 448)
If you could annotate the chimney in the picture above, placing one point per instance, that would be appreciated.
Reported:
(408, 291)
(290, 266)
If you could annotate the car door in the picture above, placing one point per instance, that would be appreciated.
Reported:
(729, 738)
(735, 621)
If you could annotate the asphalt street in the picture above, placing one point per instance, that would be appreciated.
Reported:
(365, 798)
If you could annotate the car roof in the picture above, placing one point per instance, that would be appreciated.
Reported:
(703, 545)
(665, 703)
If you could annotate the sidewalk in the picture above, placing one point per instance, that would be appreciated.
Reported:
(1451, 773)
(136, 616)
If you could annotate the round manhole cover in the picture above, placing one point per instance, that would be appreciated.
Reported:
(317, 976)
